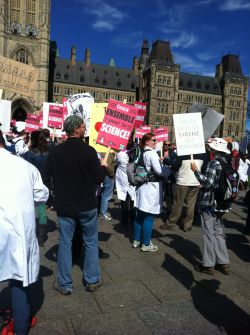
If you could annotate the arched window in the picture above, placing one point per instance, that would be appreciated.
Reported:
(22, 56)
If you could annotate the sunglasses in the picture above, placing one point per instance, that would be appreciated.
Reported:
(153, 141)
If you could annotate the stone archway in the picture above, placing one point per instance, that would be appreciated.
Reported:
(20, 108)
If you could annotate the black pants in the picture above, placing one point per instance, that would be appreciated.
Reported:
(127, 210)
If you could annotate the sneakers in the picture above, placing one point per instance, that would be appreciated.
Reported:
(151, 247)
(9, 328)
(136, 244)
(94, 286)
(106, 217)
(203, 269)
(224, 268)
(64, 291)
(167, 226)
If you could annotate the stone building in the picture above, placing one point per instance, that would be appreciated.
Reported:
(71, 76)
(154, 77)
(168, 90)
(25, 37)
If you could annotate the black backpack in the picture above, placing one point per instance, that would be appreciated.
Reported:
(228, 188)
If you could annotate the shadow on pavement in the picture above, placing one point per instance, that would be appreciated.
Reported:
(219, 309)
(239, 244)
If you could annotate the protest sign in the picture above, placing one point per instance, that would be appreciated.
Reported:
(80, 104)
(5, 115)
(189, 134)
(46, 106)
(55, 118)
(139, 132)
(161, 134)
(117, 125)
(97, 115)
(32, 123)
(17, 77)
(65, 108)
(140, 118)
(210, 118)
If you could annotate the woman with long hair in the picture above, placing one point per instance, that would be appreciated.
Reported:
(148, 199)
(37, 155)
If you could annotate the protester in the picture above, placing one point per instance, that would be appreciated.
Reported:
(125, 191)
(148, 199)
(186, 191)
(21, 186)
(21, 143)
(214, 251)
(76, 172)
(242, 170)
(107, 188)
(37, 155)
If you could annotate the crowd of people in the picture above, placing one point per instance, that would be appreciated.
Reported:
(77, 182)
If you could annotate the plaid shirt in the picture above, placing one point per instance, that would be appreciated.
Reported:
(209, 181)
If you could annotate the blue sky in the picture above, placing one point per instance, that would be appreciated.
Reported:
(200, 31)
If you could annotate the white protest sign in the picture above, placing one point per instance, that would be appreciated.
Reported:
(81, 104)
(5, 115)
(189, 134)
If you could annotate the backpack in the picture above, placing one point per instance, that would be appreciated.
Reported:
(228, 188)
(136, 170)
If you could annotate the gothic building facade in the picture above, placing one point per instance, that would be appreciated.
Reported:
(25, 37)
(154, 77)
(168, 90)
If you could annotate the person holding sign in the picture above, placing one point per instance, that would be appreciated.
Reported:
(76, 171)
(148, 199)
(214, 245)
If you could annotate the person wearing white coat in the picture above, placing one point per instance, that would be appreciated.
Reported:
(148, 199)
(21, 186)
(125, 191)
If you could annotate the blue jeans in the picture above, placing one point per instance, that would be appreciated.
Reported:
(91, 267)
(108, 186)
(20, 306)
(143, 226)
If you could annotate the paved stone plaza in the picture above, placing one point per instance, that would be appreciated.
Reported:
(147, 293)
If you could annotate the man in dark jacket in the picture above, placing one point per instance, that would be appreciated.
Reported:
(76, 171)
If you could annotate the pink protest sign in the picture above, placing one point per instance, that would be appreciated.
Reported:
(32, 123)
(140, 118)
(55, 119)
(41, 119)
(117, 125)
(65, 108)
(161, 134)
(139, 132)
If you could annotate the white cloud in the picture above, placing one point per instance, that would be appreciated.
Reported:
(184, 40)
(206, 56)
(191, 65)
(107, 17)
(103, 25)
(232, 5)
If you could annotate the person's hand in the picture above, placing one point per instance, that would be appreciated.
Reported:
(104, 163)
(193, 167)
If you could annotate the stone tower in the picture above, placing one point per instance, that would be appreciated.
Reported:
(25, 37)
(234, 95)
(160, 84)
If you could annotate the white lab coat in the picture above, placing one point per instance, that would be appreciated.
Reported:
(121, 178)
(242, 170)
(20, 185)
(149, 195)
